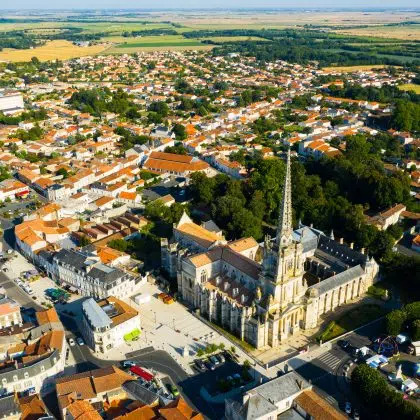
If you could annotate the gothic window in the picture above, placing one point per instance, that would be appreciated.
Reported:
(203, 276)
(225, 269)
(233, 275)
(242, 280)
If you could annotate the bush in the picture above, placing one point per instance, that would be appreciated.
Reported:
(412, 311)
(415, 330)
(377, 292)
(118, 244)
(395, 321)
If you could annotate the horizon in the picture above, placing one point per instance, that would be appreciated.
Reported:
(407, 6)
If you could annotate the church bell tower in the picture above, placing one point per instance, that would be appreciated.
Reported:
(282, 260)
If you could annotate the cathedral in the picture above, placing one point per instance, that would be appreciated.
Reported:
(264, 293)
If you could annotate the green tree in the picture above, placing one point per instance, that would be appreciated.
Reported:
(394, 322)
(180, 131)
(84, 241)
(118, 244)
(63, 172)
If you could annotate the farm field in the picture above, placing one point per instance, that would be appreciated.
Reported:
(410, 86)
(408, 33)
(111, 27)
(53, 50)
(164, 47)
(221, 39)
(350, 69)
(131, 45)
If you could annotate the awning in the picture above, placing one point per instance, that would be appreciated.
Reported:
(21, 193)
(137, 370)
(132, 335)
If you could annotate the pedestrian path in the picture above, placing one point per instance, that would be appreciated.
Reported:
(329, 360)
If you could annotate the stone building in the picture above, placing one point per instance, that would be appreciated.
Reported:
(301, 275)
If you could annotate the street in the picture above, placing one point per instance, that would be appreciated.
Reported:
(327, 370)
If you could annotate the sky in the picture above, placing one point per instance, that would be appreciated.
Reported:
(146, 4)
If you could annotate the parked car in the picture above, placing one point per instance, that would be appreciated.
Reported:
(80, 341)
(28, 290)
(214, 360)
(356, 414)
(221, 358)
(347, 408)
(173, 390)
(344, 344)
(72, 342)
(128, 363)
(210, 365)
(200, 365)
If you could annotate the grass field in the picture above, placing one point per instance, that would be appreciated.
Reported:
(221, 39)
(410, 86)
(164, 42)
(133, 50)
(350, 320)
(53, 50)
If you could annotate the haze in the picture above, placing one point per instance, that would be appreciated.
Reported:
(101, 4)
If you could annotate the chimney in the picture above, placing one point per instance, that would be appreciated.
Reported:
(243, 298)
(311, 225)
(235, 292)
(363, 250)
(341, 241)
(226, 286)
(351, 245)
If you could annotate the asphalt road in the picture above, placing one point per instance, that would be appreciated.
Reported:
(327, 370)
(16, 293)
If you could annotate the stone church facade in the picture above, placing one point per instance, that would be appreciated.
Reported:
(301, 275)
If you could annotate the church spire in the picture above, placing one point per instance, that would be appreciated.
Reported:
(285, 229)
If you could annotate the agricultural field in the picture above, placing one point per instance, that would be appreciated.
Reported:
(53, 50)
(410, 86)
(407, 33)
(222, 39)
(350, 69)
(109, 29)
(146, 43)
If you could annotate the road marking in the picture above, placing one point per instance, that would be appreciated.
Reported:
(330, 360)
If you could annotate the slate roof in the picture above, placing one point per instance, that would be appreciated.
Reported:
(140, 393)
(77, 261)
(8, 406)
(95, 314)
(263, 399)
(338, 280)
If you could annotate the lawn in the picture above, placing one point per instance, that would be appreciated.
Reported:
(352, 319)
(410, 86)
(53, 50)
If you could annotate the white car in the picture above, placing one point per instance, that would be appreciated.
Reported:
(71, 342)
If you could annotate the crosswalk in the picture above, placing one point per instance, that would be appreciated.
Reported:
(329, 360)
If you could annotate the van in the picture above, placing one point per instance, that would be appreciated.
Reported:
(128, 363)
